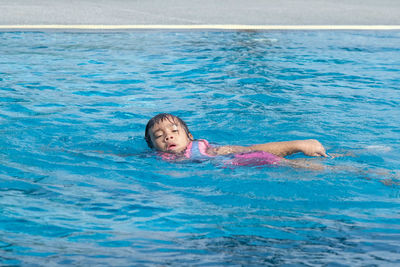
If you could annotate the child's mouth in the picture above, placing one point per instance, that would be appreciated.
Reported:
(171, 147)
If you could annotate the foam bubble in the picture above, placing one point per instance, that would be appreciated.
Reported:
(379, 148)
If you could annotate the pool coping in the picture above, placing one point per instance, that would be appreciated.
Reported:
(196, 27)
(105, 15)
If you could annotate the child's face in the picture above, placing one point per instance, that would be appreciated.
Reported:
(169, 136)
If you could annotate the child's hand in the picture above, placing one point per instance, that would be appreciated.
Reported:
(313, 148)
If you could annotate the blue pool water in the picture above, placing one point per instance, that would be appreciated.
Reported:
(79, 187)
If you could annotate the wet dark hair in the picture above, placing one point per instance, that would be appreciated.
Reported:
(161, 117)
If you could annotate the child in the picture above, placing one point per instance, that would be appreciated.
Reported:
(169, 135)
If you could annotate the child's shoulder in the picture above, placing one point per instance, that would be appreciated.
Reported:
(204, 147)
(203, 141)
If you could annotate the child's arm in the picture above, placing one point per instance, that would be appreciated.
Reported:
(310, 147)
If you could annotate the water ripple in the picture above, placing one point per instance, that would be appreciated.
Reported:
(80, 187)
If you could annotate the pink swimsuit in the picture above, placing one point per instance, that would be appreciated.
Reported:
(197, 150)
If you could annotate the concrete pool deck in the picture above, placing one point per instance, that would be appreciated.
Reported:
(196, 14)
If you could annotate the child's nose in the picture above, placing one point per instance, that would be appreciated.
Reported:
(169, 137)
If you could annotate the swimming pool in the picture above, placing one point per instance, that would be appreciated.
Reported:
(67, 96)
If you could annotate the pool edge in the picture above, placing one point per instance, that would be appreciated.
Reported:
(197, 27)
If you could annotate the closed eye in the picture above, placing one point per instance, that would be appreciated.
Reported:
(158, 135)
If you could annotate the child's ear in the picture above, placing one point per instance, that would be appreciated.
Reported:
(190, 136)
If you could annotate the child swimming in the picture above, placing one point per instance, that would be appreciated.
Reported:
(170, 136)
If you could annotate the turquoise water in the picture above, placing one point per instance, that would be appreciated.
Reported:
(79, 187)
